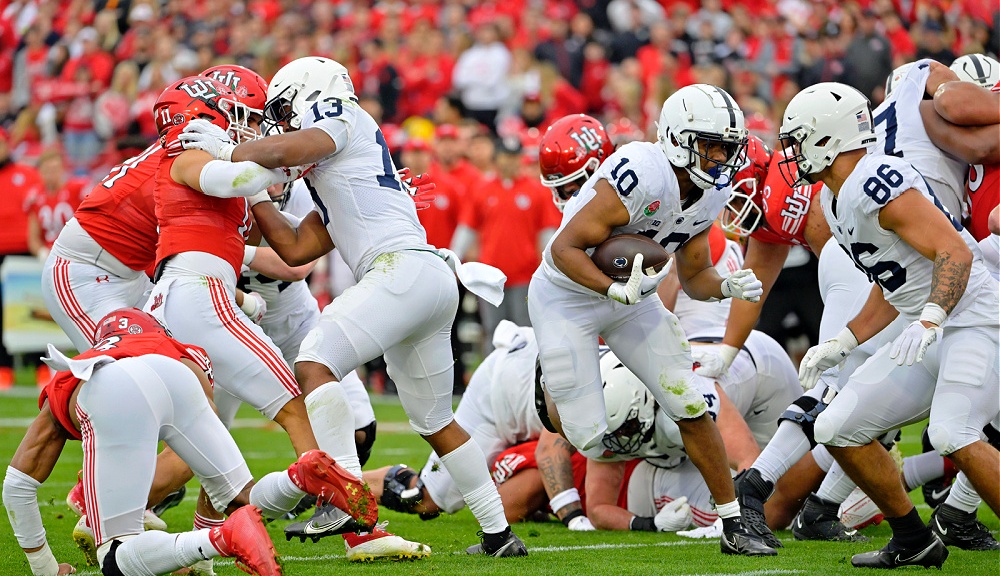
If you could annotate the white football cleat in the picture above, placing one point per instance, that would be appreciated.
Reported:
(381, 544)
(83, 536)
(151, 521)
(858, 511)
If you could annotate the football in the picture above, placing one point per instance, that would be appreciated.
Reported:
(614, 255)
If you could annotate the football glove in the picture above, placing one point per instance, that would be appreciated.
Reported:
(639, 285)
(676, 515)
(580, 524)
(715, 364)
(419, 188)
(912, 344)
(742, 284)
(824, 356)
(202, 135)
(254, 306)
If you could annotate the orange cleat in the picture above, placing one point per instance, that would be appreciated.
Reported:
(244, 537)
(317, 474)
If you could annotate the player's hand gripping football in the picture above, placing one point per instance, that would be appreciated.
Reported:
(675, 515)
(639, 285)
(202, 135)
(419, 188)
(743, 284)
(824, 356)
(912, 344)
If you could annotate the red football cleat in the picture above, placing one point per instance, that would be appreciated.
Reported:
(244, 537)
(75, 497)
(317, 474)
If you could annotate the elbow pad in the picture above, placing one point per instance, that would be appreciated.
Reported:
(240, 179)
(20, 497)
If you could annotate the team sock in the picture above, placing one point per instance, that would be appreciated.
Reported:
(921, 469)
(963, 496)
(836, 486)
(275, 494)
(152, 553)
(788, 445)
(332, 422)
(467, 467)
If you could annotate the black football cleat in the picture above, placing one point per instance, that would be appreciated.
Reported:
(962, 529)
(327, 521)
(507, 545)
(308, 501)
(171, 500)
(931, 555)
(751, 492)
(742, 543)
(818, 520)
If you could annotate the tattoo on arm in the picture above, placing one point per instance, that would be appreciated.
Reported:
(557, 472)
(949, 280)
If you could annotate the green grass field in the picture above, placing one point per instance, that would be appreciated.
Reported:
(553, 549)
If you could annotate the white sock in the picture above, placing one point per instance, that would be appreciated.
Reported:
(332, 422)
(467, 467)
(963, 496)
(275, 494)
(837, 485)
(152, 553)
(823, 458)
(728, 510)
(788, 445)
(921, 469)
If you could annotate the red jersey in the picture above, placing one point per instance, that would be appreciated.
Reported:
(785, 209)
(54, 210)
(120, 214)
(441, 218)
(509, 215)
(467, 175)
(983, 188)
(59, 390)
(16, 181)
(522, 457)
(194, 222)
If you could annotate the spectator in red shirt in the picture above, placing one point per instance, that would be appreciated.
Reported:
(425, 70)
(100, 63)
(512, 217)
(52, 203)
(449, 149)
(440, 218)
(903, 47)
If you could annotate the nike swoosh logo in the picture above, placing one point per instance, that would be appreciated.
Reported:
(942, 529)
(756, 412)
(936, 495)
(915, 557)
(313, 528)
(647, 292)
(699, 222)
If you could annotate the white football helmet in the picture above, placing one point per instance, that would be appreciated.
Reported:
(301, 83)
(978, 69)
(820, 123)
(897, 75)
(702, 112)
(631, 410)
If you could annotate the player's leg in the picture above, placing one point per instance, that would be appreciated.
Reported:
(364, 415)
(650, 342)
(65, 287)
(566, 330)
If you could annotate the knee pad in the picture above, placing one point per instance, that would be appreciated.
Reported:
(806, 419)
(941, 439)
(396, 493)
(109, 564)
(365, 446)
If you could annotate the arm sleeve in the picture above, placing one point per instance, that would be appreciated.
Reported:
(20, 497)
(239, 179)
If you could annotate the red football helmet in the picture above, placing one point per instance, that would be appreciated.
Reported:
(745, 206)
(190, 98)
(570, 152)
(128, 321)
(251, 90)
(622, 131)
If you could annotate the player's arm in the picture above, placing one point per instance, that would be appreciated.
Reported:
(966, 104)
(874, 316)
(766, 260)
(35, 244)
(198, 170)
(296, 245)
(589, 227)
(741, 446)
(296, 148)
(31, 465)
(552, 454)
(702, 282)
(267, 262)
(994, 221)
(971, 144)
(928, 231)
(604, 480)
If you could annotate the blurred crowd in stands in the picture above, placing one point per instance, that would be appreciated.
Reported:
(459, 86)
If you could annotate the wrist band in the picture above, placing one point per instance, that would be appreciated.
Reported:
(564, 498)
(43, 562)
(642, 524)
(934, 314)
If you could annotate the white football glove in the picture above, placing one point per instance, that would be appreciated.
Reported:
(639, 285)
(715, 364)
(743, 284)
(254, 306)
(912, 344)
(580, 524)
(824, 356)
(201, 134)
(676, 515)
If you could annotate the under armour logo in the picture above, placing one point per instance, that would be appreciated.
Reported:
(103, 279)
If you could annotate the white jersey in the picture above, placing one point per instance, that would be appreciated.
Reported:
(902, 272)
(363, 205)
(900, 132)
(648, 188)
(699, 318)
